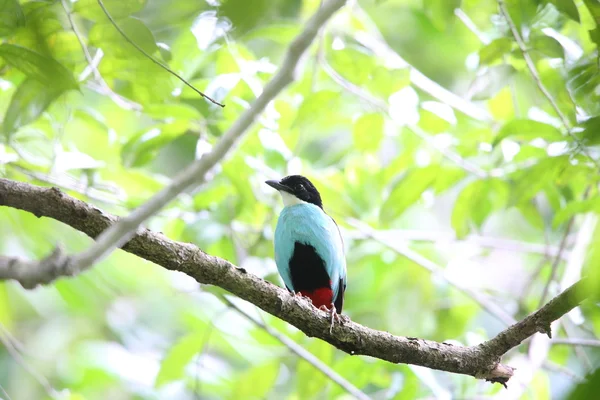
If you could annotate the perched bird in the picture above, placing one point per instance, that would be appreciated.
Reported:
(309, 251)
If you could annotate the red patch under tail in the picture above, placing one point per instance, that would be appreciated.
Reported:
(319, 297)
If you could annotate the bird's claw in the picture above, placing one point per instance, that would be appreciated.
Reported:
(335, 317)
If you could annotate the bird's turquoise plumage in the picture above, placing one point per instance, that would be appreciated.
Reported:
(308, 224)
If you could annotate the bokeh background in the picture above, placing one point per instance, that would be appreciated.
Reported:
(466, 196)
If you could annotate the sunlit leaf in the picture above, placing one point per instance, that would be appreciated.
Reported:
(142, 146)
(29, 101)
(11, 16)
(407, 191)
(567, 7)
(173, 365)
(491, 81)
(37, 66)
(368, 132)
(117, 9)
(441, 12)
(476, 202)
(527, 129)
(547, 45)
(495, 50)
(105, 36)
(575, 207)
(256, 382)
(533, 179)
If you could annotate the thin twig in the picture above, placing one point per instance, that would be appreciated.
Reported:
(538, 81)
(119, 100)
(154, 60)
(478, 240)
(556, 262)
(300, 352)
(14, 353)
(5, 393)
(576, 342)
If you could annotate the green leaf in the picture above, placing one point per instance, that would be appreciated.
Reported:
(107, 37)
(583, 79)
(309, 384)
(245, 15)
(385, 81)
(256, 382)
(575, 207)
(353, 63)
(527, 129)
(173, 365)
(179, 111)
(117, 9)
(568, 8)
(547, 45)
(316, 108)
(476, 202)
(143, 146)
(441, 12)
(591, 131)
(279, 33)
(533, 179)
(11, 17)
(28, 102)
(368, 132)
(42, 68)
(531, 214)
(495, 50)
(447, 178)
(407, 191)
(491, 81)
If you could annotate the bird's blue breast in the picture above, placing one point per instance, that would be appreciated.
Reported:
(309, 225)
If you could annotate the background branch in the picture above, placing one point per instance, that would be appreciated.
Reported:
(300, 352)
(481, 361)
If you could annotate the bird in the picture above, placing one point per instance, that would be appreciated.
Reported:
(309, 249)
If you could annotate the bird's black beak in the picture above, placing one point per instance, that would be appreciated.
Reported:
(278, 186)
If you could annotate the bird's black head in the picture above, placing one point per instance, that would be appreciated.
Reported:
(299, 187)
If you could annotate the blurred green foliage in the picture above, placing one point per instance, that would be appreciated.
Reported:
(483, 183)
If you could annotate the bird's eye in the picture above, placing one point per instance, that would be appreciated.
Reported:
(300, 187)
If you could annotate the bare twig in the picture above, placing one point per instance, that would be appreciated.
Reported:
(481, 361)
(14, 353)
(557, 259)
(300, 352)
(538, 81)
(576, 342)
(120, 233)
(119, 100)
(478, 240)
(154, 60)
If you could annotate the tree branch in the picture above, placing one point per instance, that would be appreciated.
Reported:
(481, 361)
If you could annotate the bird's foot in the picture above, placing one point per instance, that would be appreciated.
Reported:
(335, 317)
(299, 294)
